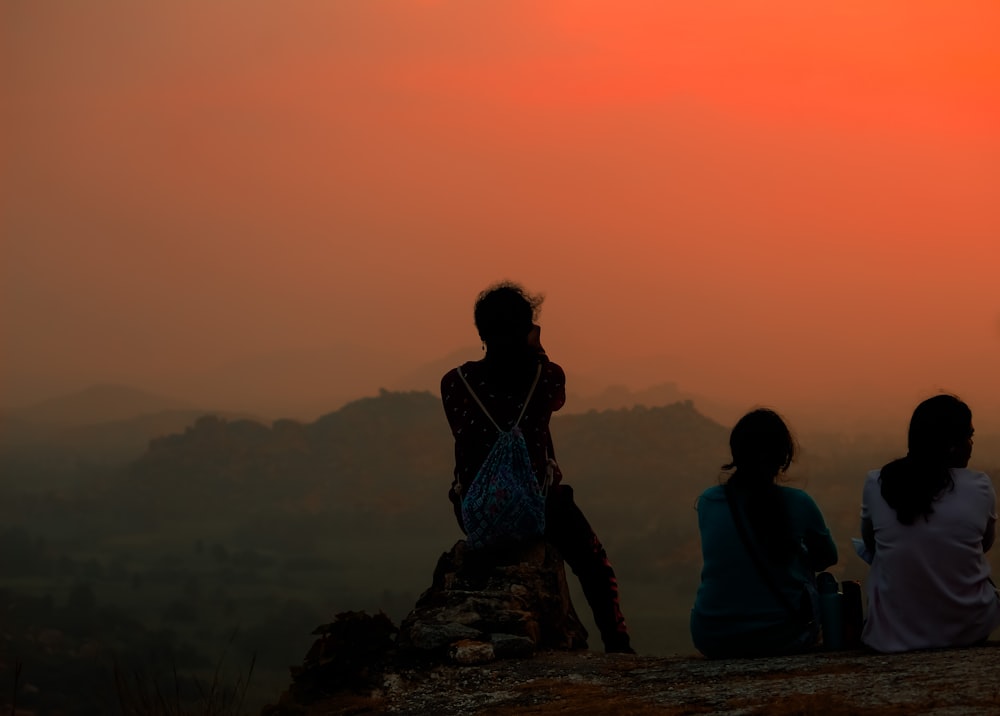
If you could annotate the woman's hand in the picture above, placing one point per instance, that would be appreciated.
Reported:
(534, 338)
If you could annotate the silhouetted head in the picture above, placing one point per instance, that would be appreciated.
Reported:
(505, 314)
(762, 446)
(941, 432)
(940, 438)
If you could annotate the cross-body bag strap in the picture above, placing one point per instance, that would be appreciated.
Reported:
(758, 562)
(531, 391)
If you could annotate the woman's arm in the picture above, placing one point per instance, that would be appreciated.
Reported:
(868, 533)
(868, 494)
(991, 517)
(822, 550)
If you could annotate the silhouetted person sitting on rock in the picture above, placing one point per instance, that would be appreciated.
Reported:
(482, 398)
(928, 521)
(761, 546)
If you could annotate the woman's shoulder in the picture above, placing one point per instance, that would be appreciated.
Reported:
(452, 379)
(872, 476)
(716, 492)
(969, 476)
(795, 495)
(467, 368)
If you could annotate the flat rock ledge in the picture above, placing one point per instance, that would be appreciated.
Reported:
(949, 682)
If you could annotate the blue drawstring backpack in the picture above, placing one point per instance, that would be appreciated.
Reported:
(504, 503)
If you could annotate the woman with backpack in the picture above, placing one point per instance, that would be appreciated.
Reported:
(928, 521)
(500, 406)
(761, 545)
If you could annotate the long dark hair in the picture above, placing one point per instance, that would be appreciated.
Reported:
(911, 484)
(763, 448)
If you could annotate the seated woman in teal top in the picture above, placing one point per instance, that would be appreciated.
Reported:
(761, 546)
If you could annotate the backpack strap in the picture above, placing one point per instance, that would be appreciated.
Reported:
(531, 391)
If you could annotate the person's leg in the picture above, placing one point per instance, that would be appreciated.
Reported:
(567, 530)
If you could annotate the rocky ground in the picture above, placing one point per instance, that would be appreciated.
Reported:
(962, 682)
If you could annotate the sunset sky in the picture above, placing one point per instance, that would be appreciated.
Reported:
(768, 202)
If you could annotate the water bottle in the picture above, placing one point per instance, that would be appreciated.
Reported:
(830, 608)
(853, 614)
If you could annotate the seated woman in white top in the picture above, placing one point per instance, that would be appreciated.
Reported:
(929, 521)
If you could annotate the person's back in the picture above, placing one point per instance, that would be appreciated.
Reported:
(475, 434)
(929, 584)
(761, 546)
(735, 610)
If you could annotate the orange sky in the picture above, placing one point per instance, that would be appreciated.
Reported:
(767, 202)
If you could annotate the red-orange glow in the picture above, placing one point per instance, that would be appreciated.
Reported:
(772, 202)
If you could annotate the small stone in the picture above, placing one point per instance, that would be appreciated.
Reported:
(512, 646)
(471, 652)
(428, 636)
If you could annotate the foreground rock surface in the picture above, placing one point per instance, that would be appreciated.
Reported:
(956, 682)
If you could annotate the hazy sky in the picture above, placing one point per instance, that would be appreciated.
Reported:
(769, 201)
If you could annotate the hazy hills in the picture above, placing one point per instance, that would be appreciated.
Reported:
(304, 383)
(102, 424)
(99, 403)
(307, 383)
(273, 527)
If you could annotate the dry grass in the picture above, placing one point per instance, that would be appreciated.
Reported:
(142, 695)
(16, 687)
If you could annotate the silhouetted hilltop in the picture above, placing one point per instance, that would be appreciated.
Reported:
(396, 448)
(56, 455)
(617, 397)
(293, 382)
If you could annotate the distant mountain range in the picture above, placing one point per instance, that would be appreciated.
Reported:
(101, 424)
(306, 384)
(252, 383)
(100, 403)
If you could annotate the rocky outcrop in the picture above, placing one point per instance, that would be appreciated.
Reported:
(480, 607)
(493, 604)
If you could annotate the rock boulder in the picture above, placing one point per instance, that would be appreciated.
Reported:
(493, 604)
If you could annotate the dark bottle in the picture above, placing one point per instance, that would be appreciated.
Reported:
(853, 614)
(831, 616)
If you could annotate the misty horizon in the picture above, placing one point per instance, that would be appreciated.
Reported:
(240, 394)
